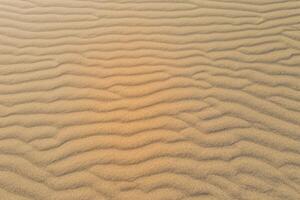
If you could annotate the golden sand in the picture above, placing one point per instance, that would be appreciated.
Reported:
(150, 100)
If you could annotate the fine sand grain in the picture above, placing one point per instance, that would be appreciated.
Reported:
(150, 100)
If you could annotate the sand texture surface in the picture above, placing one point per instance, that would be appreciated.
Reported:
(150, 100)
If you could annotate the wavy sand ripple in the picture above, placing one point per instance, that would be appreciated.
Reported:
(154, 100)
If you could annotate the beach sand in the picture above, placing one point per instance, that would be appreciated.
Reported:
(150, 100)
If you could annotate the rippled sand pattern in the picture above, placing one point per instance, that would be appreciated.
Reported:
(150, 100)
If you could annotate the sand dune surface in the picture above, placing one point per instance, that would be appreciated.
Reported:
(150, 100)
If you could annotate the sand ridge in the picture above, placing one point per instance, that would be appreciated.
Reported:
(149, 100)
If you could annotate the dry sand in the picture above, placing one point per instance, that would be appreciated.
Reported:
(150, 100)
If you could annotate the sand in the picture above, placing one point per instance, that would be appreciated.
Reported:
(150, 100)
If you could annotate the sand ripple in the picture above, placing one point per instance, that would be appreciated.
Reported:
(154, 100)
